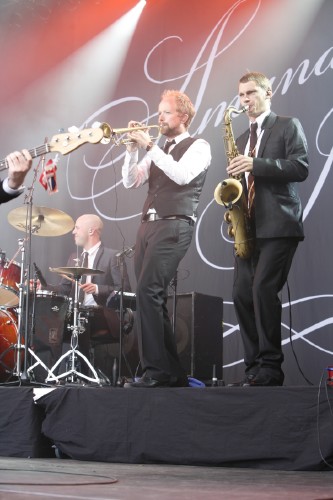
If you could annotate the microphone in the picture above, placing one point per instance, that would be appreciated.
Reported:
(127, 252)
(40, 276)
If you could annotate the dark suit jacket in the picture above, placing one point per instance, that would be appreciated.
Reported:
(281, 162)
(107, 282)
(4, 197)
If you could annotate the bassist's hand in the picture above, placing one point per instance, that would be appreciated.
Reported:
(19, 164)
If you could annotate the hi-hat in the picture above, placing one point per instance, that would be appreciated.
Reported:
(44, 221)
(75, 271)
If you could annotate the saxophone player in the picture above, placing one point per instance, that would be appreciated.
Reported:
(273, 159)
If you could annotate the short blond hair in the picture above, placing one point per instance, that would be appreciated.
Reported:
(184, 104)
(259, 78)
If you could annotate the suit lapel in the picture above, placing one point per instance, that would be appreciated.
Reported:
(98, 257)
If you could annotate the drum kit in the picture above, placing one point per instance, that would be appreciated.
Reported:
(16, 319)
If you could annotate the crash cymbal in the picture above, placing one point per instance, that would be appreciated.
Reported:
(44, 221)
(75, 271)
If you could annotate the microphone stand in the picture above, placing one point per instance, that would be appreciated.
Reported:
(120, 380)
(173, 284)
(24, 304)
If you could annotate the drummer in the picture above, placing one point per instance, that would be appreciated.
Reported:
(97, 288)
(18, 164)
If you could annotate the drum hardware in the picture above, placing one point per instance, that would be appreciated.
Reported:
(74, 356)
(20, 348)
(39, 221)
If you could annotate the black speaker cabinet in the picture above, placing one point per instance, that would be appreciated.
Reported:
(51, 319)
(199, 333)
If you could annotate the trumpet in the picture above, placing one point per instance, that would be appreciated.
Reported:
(113, 134)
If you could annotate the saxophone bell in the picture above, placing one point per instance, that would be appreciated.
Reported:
(228, 192)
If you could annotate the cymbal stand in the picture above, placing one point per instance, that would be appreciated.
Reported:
(23, 376)
(72, 374)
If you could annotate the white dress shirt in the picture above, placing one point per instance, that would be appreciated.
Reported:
(196, 159)
(10, 190)
(260, 120)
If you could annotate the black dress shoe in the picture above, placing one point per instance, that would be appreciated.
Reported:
(179, 382)
(148, 382)
(266, 380)
(245, 382)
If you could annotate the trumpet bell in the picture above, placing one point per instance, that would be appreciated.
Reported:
(107, 132)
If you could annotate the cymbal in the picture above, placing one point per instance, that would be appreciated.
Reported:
(75, 271)
(44, 221)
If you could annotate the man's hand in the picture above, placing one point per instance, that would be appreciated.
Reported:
(19, 164)
(140, 138)
(89, 288)
(239, 165)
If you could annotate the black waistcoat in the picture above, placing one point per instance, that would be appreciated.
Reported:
(169, 198)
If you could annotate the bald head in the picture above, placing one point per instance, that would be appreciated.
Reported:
(87, 230)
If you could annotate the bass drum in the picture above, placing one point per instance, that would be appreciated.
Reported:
(8, 342)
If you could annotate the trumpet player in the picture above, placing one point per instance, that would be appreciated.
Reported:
(275, 153)
(175, 176)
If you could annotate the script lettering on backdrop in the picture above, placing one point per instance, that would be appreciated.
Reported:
(208, 55)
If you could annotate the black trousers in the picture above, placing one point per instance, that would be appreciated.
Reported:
(159, 248)
(257, 283)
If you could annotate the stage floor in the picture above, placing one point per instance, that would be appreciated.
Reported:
(22, 479)
(268, 428)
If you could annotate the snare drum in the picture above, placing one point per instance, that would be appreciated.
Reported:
(8, 344)
(10, 277)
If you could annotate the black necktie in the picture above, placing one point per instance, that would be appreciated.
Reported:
(167, 145)
(250, 181)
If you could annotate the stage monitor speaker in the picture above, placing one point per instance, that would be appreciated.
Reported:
(199, 333)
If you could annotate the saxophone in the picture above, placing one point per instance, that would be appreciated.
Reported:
(230, 193)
